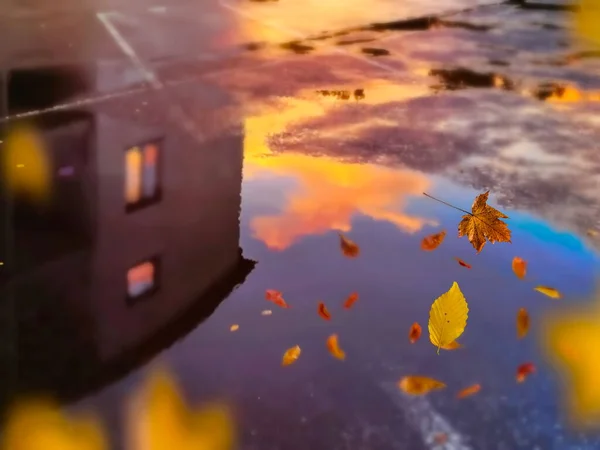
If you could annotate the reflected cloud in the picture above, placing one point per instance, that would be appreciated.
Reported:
(329, 192)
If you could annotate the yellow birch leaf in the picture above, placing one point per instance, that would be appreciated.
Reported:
(550, 292)
(587, 21)
(448, 317)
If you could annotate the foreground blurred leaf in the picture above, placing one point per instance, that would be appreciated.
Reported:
(416, 385)
(548, 291)
(291, 355)
(433, 241)
(159, 419)
(334, 347)
(448, 317)
(522, 323)
(483, 224)
(39, 425)
(519, 267)
(415, 333)
(587, 21)
(349, 248)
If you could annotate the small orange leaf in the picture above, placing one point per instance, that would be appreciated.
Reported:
(276, 297)
(334, 347)
(462, 263)
(440, 438)
(550, 292)
(415, 333)
(323, 312)
(352, 298)
(452, 346)
(416, 385)
(349, 248)
(291, 355)
(468, 391)
(523, 371)
(522, 323)
(433, 241)
(519, 267)
(234, 327)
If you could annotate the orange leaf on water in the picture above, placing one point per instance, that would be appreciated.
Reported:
(352, 298)
(433, 241)
(522, 323)
(349, 248)
(291, 355)
(462, 263)
(276, 297)
(548, 291)
(334, 347)
(415, 333)
(323, 312)
(416, 385)
(234, 327)
(468, 391)
(523, 371)
(519, 267)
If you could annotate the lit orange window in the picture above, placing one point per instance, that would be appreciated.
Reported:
(141, 175)
(141, 279)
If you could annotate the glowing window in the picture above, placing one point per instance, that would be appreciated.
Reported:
(142, 182)
(142, 279)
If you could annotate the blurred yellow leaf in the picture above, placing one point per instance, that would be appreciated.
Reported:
(26, 165)
(159, 419)
(291, 355)
(234, 327)
(416, 385)
(37, 425)
(587, 21)
(448, 317)
(548, 291)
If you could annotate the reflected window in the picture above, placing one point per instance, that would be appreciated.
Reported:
(142, 182)
(142, 279)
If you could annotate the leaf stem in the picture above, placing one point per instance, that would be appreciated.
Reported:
(447, 204)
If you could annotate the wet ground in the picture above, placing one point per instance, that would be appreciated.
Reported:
(345, 113)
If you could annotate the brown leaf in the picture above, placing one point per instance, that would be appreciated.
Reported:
(519, 267)
(431, 242)
(323, 312)
(483, 224)
(462, 263)
(291, 355)
(415, 333)
(416, 385)
(522, 323)
(334, 347)
(352, 298)
(349, 248)
(468, 391)
(523, 371)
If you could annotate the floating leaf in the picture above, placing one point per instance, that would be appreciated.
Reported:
(415, 333)
(483, 224)
(550, 292)
(416, 385)
(522, 323)
(593, 233)
(349, 248)
(523, 371)
(291, 355)
(334, 347)
(234, 327)
(468, 391)
(462, 263)
(452, 346)
(276, 297)
(323, 312)
(448, 317)
(352, 298)
(266, 312)
(587, 18)
(430, 243)
(519, 267)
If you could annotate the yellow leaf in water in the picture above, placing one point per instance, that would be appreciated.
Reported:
(37, 425)
(158, 419)
(483, 224)
(291, 355)
(349, 248)
(448, 317)
(587, 20)
(550, 292)
(522, 323)
(416, 385)
(234, 327)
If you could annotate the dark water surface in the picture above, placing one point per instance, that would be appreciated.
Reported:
(259, 170)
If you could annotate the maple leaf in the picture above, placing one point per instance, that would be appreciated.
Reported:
(483, 224)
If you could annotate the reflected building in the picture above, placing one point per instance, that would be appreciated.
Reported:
(137, 245)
